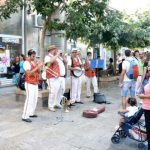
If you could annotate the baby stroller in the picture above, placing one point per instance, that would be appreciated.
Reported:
(133, 128)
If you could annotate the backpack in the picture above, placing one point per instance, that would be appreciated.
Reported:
(21, 83)
(133, 71)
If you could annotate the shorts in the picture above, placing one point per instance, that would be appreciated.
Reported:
(128, 85)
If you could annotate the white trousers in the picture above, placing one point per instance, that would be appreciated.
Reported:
(31, 100)
(61, 90)
(138, 83)
(75, 89)
(88, 85)
(54, 87)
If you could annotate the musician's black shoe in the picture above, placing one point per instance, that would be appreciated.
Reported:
(72, 105)
(79, 102)
(33, 116)
(27, 120)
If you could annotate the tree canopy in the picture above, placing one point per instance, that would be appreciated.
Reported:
(90, 20)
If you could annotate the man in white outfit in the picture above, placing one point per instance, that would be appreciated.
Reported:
(31, 86)
(90, 76)
(75, 64)
(62, 61)
(52, 75)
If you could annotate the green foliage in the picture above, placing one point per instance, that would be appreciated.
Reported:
(44, 7)
(81, 18)
(90, 20)
(11, 6)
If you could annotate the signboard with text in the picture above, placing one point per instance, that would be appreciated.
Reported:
(10, 40)
(4, 61)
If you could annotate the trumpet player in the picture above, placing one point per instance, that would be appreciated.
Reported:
(52, 75)
(62, 61)
(31, 86)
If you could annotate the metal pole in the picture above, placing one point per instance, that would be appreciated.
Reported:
(23, 29)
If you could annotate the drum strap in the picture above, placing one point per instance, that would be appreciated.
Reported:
(72, 65)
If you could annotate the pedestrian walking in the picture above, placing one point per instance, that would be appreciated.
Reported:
(126, 82)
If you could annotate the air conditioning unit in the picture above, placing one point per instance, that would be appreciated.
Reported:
(37, 21)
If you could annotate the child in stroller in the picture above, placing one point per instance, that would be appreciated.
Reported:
(131, 126)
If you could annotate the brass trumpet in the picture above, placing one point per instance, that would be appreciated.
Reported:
(65, 103)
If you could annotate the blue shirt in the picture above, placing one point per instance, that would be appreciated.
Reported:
(21, 66)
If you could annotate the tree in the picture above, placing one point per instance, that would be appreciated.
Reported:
(46, 8)
(81, 19)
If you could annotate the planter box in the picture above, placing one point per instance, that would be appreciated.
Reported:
(105, 82)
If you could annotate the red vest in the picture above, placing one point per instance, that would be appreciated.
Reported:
(75, 64)
(34, 78)
(88, 72)
(53, 70)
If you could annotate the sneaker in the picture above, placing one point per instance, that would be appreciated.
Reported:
(52, 109)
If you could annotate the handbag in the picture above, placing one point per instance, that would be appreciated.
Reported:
(99, 98)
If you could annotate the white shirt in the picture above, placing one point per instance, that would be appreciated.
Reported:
(126, 66)
(131, 111)
(61, 66)
(48, 58)
(26, 65)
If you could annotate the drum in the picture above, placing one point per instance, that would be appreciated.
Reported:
(77, 73)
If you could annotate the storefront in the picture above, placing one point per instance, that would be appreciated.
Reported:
(10, 47)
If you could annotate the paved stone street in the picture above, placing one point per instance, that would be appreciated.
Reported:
(73, 133)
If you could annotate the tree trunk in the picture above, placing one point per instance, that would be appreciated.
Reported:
(42, 40)
(115, 59)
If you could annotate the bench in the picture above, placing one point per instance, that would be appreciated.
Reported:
(105, 82)
(42, 96)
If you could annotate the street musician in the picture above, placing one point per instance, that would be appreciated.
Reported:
(90, 76)
(52, 75)
(75, 72)
(62, 61)
(32, 69)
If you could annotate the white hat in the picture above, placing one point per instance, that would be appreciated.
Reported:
(74, 49)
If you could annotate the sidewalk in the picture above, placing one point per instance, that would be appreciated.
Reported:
(47, 133)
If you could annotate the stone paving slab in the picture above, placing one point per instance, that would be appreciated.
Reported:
(48, 132)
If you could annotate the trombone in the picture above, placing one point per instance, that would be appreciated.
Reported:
(47, 69)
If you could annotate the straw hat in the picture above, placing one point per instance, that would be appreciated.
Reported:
(51, 47)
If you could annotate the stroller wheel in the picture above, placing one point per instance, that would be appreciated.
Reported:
(122, 134)
(115, 139)
(141, 146)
